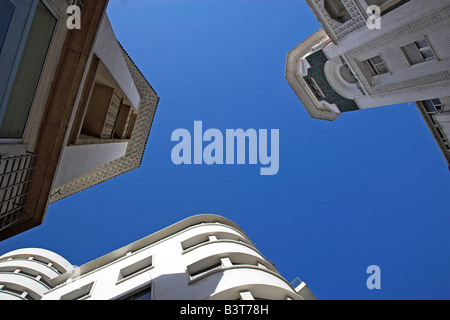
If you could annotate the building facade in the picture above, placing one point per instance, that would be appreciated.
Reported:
(26, 274)
(373, 53)
(74, 109)
(200, 258)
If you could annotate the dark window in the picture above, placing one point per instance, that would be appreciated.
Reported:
(143, 294)
(6, 14)
(214, 266)
(18, 93)
(377, 66)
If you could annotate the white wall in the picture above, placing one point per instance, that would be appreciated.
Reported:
(79, 160)
(108, 50)
(169, 277)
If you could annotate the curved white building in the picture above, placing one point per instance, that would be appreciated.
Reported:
(26, 274)
(202, 257)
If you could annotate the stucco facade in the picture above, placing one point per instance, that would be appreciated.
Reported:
(352, 64)
(202, 257)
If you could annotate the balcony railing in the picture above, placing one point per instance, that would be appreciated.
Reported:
(15, 179)
(79, 3)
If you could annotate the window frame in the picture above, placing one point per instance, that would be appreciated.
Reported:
(17, 61)
(420, 50)
(97, 71)
(373, 66)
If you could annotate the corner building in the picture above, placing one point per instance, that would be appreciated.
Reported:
(202, 257)
(75, 110)
(351, 65)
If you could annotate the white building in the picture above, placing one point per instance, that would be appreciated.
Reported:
(26, 274)
(74, 109)
(202, 257)
(356, 62)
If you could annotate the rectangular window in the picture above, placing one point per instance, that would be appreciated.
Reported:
(6, 14)
(433, 105)
(79, 294)
(206, 269)
(141, 294)
(315, 88)
(135, 269)
(376, 65)
(107, 115)
(192, 242)
(418, 51)
(25, 57)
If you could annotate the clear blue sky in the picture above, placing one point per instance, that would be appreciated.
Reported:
(370, 188)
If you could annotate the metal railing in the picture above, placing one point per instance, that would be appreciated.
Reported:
(79, 3)
(296, 282)
(15, 179)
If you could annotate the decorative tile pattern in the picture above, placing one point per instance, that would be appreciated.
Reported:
(317, 61)
(136, 146)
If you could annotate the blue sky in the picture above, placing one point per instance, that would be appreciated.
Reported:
(370, 188)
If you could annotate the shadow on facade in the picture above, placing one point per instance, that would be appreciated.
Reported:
(178, 286)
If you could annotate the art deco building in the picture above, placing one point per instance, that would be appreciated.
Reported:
(74, 109)
(353, 64)
(202, 257)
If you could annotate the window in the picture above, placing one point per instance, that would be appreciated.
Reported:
(16, 291)
(26, 32)
(376, 65)
(202, 267)
(418, 51)
(197, 273)
(192, 242)
(6, 14)
(315, 88)
(79, 294)
(337, 10)
(107, 114)
(136, 268)
(433, 105)
(207, 237)
(141, 294)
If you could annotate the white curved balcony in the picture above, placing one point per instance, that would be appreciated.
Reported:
(223, 248)
(45, 271)
(212, 228)
(41, 254)
(35, 288)
(226, 283)
(9, 296)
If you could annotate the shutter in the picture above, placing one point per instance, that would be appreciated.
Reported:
(412, 53)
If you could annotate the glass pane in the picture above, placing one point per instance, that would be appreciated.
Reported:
(28, 74)
(6, 13)
(428, 54)
(382, 69)
(144, 295)
(436, 102)
(422, 43)
(429, 106)
(377, 60)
